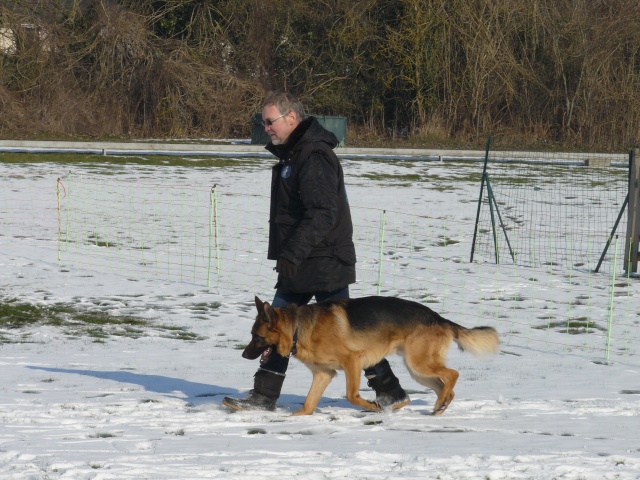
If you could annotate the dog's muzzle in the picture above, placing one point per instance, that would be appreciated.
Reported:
(253, 351)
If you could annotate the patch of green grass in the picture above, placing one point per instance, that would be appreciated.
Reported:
(573, 326)
(104, 318)
(204, 307)
(99, 325)
(94, 239)
(373, 422)
(446, 241)
(410, 177)
(96, 333)
(515, 298)
(102, 435)
(15, 315)
(105, 164)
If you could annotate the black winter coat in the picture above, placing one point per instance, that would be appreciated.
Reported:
(310, 221)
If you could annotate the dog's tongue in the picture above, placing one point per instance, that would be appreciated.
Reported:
(265, 355)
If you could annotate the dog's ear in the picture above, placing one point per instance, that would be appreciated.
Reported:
(259, 304)
(269, 314)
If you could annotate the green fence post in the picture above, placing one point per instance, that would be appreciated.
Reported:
(213, 233)
(58, 184)
(382, 219)
(613, 285)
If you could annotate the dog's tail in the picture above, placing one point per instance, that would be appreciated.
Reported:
(478, 341)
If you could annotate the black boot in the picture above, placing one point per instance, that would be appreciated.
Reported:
(265, 393)
(389, 393)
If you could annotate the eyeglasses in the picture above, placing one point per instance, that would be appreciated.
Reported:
(268, 123)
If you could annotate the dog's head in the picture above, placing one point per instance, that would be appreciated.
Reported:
(264, 333)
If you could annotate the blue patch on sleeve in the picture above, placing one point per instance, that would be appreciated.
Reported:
(286, 172)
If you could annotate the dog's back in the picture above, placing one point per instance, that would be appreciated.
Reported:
(374, 312)
(371, 312)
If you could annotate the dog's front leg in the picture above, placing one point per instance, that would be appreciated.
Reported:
(321, 379)
(352, 372)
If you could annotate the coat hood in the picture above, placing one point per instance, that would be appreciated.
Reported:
(307, 131)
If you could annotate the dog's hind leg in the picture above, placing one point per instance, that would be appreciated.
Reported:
(449, 377)
(433, 383)
(441, 380)
(427, 367)
(321, 378)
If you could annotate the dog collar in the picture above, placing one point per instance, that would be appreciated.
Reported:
(294, 348)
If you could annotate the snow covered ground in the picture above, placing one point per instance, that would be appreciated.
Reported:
(147, 404)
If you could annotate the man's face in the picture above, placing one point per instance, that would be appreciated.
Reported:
(281, 125)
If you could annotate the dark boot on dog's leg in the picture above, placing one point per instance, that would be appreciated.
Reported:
(265, 393)
(389, 393)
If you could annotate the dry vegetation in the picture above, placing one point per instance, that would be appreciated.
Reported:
(428, 72)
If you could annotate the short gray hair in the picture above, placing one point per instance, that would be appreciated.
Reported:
(285, 103)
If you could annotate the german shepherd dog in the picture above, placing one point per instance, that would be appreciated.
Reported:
(352, 334)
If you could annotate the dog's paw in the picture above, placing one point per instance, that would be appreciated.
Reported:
(440, 410)
(301, 412)
(373, 407)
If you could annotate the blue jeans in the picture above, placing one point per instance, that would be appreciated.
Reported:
(282, 299)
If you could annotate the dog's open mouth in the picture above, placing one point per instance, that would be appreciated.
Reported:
(266, 354)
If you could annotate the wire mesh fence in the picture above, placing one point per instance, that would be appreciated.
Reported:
(552, 209)
(217, 237)
(174, 229)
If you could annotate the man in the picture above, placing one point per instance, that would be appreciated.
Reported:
(310, 237)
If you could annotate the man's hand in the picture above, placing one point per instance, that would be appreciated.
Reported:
(285, 268)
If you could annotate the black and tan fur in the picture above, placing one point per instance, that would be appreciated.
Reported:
(356, 333)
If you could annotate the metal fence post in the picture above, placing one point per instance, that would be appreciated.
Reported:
(633, 223)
